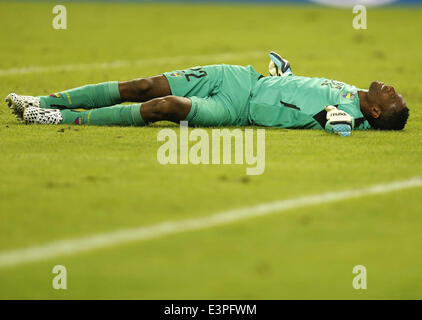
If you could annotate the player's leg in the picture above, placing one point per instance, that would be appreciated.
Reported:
(191, 82)
(210, 111)
(197, 81)
(202, 81)
(203, 112)
(118, 115)
(108, 93)
(87, 97)
(94, 95)
(169, 108)
(144, 89)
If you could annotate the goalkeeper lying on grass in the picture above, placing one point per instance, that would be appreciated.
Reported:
(222, 95)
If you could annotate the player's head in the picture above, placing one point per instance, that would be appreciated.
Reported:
(386, 109)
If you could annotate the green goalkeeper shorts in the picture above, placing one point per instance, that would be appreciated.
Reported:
(220, 94)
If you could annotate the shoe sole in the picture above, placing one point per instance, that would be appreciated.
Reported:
(12, 106)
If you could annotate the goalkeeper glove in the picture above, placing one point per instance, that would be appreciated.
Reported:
(339, 122)
(278, 66)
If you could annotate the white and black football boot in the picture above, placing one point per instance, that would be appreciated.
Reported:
(33, 115)
(18, 103)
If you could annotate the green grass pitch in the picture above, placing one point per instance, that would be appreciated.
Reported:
(58, 182)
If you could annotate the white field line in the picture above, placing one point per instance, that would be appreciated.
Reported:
(201, 59)
(97, 241)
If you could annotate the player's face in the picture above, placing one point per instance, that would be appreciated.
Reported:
(385, 96)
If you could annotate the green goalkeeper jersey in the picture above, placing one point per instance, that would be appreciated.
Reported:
(299, 102)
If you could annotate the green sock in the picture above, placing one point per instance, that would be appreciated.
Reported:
(90, 96)
(119, 115)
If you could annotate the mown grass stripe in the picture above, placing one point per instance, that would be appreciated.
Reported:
(97, 241)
